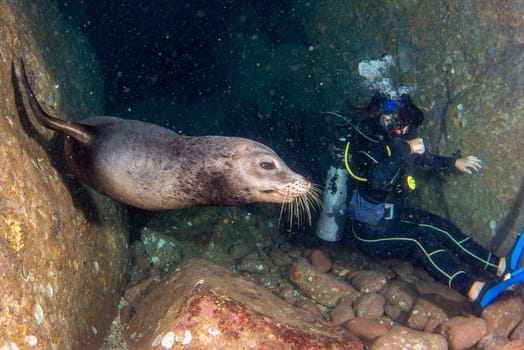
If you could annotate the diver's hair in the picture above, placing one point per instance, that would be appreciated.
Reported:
(409, 113)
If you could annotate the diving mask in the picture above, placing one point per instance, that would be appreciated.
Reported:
(391, 121)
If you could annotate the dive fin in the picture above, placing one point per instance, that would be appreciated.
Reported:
(517, 254)
(493, 292)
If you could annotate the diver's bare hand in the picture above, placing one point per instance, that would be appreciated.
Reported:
(469, 164)
(417, 145)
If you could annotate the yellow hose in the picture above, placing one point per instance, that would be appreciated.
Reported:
(346, 163)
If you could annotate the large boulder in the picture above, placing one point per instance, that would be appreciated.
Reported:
(63, 248)
(205, 306)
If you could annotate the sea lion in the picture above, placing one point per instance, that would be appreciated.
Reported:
(153, 168)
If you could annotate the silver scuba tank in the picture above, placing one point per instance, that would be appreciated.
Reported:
(332, 219)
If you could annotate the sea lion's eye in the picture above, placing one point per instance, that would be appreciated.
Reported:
(267, 165)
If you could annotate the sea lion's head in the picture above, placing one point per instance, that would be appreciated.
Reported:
(263, 176)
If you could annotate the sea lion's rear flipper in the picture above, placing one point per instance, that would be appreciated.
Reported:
(81, 133)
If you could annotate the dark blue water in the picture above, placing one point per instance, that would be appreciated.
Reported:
(267, 70)
(201, 67)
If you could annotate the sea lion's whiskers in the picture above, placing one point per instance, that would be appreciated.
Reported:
(313, 196)
(287, 206)
(311, 201)
(302, 209)
(300, 201)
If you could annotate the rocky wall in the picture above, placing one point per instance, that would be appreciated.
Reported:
(463, 64)
(63, 248)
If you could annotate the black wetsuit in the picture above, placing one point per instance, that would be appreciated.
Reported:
(398, 232)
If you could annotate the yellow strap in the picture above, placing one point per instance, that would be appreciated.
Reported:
(346, 163)
(411, 182)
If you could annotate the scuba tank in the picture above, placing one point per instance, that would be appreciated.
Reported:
(332, 220)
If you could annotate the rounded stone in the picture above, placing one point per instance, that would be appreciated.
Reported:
(321, 260)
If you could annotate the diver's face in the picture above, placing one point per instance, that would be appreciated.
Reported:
(391, 125)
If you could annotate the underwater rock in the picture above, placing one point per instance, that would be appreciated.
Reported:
(321, 287)
(492, 342)
(370, 306)
(401, 294)
(310, 307)
(135, 294)
(406, 61)
(325, 295)
(321, 260)
(270, 280)
(441, 290)
(394, 312)
(239, 250)
(288, 293)
(404, 271)
(503, 315)
(417, 318)
(400, 338)
(518, 332)
(202, 305)
(513, 345)
(463, 332)
(368, 281)
(343, 311)
(425, 316)
(279, 257)
(63, 248)
(163, 250)
(223, 234)
(255, 263)
(367, 329)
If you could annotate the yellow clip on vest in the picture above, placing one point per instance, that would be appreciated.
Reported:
(411, 182)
